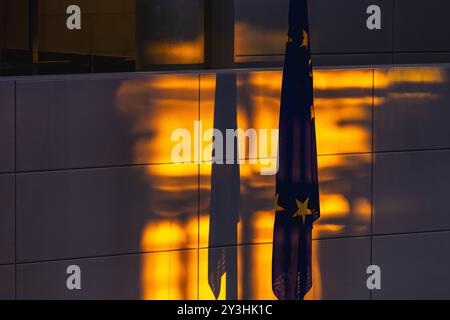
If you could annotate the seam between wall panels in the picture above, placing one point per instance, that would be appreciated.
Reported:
(15, 190)
(371, 173)
(224, 246)
(198, 188)
(393, 32)
(205, 162)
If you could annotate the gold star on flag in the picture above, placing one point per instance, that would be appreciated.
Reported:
(310, 68)
(305, 42)
(277, 206)
(303, 210)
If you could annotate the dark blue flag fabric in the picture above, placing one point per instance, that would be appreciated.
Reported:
(297, 191)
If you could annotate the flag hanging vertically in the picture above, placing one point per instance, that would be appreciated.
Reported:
(297, 191)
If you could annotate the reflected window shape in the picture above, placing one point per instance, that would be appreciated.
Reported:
(170, 34)
(111, 36)
(35, 38)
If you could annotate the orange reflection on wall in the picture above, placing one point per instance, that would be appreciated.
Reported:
(155, 107)
(345, 203)
(186, 52)
(343, 101)
(261, 39)
(402, 77)
(167, 272)
(256, 208)
(343, 79)
(263, 226)
(335, 205)
(389, 77)
(170, 275)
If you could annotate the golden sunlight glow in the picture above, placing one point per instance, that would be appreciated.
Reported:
(188, 52)
(343, 79)
(245, 33)
(262, 276)
(392, 76)
(263, 226)
(150, 105)
(343, 203)
(340, 117)
(335, 205)
(170, 275)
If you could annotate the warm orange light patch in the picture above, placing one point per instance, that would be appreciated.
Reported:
(150, 105)
(262, 272)
(335, 205)
(342, 206)
(387, 78)
(338, 118)
(188, 52)
(163, 235)
(175, 170)
(338, 127)
(263, 226)
(245, 31)
(362, 207)
(169, 275)
(343, 79)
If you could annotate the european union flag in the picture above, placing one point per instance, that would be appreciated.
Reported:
(297, 192)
